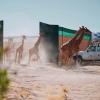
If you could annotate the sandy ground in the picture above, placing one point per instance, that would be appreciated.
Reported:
(33, 81)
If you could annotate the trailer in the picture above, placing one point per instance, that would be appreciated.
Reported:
(54, 36)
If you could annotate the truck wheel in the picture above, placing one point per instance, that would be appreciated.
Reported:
(79, 60)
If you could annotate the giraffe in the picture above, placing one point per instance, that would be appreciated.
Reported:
(7, 49)
(80, 38)
(63, 47)
(72, 47)
(35, 50)
(19, 51)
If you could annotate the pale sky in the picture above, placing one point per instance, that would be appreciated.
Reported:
(23, 16)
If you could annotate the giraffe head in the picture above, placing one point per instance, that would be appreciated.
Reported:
(85, 29)
(81, 29)
(24, 37)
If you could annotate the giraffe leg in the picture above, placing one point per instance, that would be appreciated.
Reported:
(71, 61)
(29, 57)
(62, 58)
(66, 60)
(20, 57)
(16, 57)
(37, 56)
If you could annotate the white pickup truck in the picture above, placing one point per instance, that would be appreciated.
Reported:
(92, 53)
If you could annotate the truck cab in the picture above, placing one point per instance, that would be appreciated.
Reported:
(92, 53)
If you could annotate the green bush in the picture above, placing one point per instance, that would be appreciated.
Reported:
(4, 83)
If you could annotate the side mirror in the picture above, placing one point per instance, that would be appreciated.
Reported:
(87, 50)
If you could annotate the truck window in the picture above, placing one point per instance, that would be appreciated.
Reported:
(98, 47)
(92, 48)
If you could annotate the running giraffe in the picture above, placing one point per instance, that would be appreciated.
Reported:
(19, 51)
(7, 49)
(72, 47)
(35, 50)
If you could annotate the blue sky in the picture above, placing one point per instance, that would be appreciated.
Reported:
(23, 16)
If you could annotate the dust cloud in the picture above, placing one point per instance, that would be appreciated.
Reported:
(30, 81)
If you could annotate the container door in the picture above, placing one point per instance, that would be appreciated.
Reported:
(50, 41)
(1, 40)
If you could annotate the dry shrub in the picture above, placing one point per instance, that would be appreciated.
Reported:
(61, 93)
(4, 83)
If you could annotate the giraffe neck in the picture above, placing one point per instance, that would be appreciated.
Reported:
(37, 42)
(80, 38)
(77, 34)
(22, 42)
(70, 43)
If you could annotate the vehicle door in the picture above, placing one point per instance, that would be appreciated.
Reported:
(98, 51)
(91, 52)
